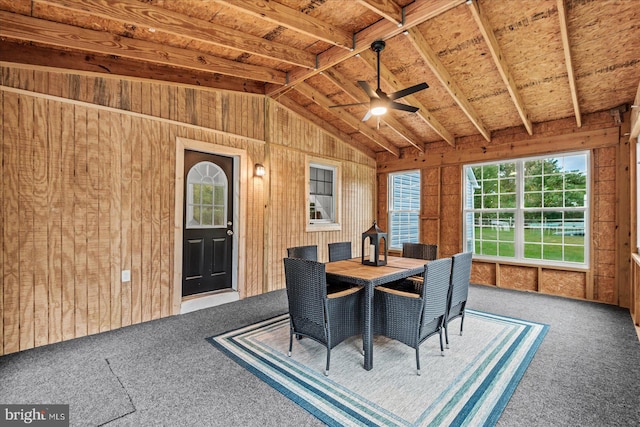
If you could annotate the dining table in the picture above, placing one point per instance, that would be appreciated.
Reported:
(369, 276)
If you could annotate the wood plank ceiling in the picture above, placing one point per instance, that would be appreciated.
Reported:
(489, 64)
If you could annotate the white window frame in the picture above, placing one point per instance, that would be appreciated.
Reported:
(519, 211)
(323, 224)
(391, 211)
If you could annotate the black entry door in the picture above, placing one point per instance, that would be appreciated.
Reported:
(208, 223)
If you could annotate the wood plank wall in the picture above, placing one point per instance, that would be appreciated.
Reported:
(287, 208)
(607, 279)
(88, 189)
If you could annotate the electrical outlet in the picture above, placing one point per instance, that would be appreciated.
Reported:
(126, 275)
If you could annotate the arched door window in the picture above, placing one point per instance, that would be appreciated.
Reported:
(207, 188)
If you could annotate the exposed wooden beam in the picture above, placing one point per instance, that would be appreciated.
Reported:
(388, 9)
(322, 124)
(414, 14)
(564, 31)
(501, 63)
(147, 16)
(431, 58)
(99, 64)
(402, 131)
(514, 148)
(19, 27)
(282, 15)
(423, 112)
(355, 123)
(356, 93)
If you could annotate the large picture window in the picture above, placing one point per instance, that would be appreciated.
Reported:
(323, 194)
(531, 210)
(404, 208)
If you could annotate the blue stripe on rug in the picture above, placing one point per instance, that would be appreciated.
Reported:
(480, 391)
(477, 361)
(326, 418)
(484, 360)
(340, 404)
(318, 392)
(471, 386)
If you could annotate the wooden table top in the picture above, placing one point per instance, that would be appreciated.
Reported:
(354, 268)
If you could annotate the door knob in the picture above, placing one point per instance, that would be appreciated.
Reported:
(229, 232)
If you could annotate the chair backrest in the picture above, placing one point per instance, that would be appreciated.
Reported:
(460, 277)
(304, 252)
(339, 251)
(437, 276)
(420, 251)
(306, 283)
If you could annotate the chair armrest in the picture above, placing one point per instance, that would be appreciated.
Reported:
(397, 292)
(345, 292)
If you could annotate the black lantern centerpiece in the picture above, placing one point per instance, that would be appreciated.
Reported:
(376, 237)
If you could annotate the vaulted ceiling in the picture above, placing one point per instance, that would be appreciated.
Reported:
(489, 64)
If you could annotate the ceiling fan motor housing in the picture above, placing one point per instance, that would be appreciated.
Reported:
(379, 101)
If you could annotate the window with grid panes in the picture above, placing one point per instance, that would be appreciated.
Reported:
(534, 210)
(323, 180)
(321, 191)
(404, 208)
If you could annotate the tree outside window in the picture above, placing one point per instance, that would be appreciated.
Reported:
(533, 210)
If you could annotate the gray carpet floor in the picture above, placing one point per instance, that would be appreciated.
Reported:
(585, 373)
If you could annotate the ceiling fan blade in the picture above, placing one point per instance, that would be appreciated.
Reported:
(365, 86)
(403, 107)
(348, 105)
(408, 91)
(382, 95)
(379, 101)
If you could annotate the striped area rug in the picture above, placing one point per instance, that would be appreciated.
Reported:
(470, 385)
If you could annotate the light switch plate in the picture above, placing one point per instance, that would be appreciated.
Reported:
(126, 275)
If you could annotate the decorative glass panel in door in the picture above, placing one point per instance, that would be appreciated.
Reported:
(206, 196)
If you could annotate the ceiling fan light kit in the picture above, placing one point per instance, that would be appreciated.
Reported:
(379, 101)
(378, 107)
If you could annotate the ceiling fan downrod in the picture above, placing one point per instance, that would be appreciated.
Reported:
(378, 46)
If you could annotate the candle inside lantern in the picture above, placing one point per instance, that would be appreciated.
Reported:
(372, 253)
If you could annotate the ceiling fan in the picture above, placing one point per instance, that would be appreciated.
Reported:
(379, 102)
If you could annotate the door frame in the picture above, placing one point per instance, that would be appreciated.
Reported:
(240, 174)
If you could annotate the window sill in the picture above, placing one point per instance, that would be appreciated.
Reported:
(323, 227)
(542, 264)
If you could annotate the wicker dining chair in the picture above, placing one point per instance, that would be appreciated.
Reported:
(310, 253)
(420, 251)
(326, 318)
(458, 290)
(426, 251)
(304, 252)
(412, 318)
(339, 251)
